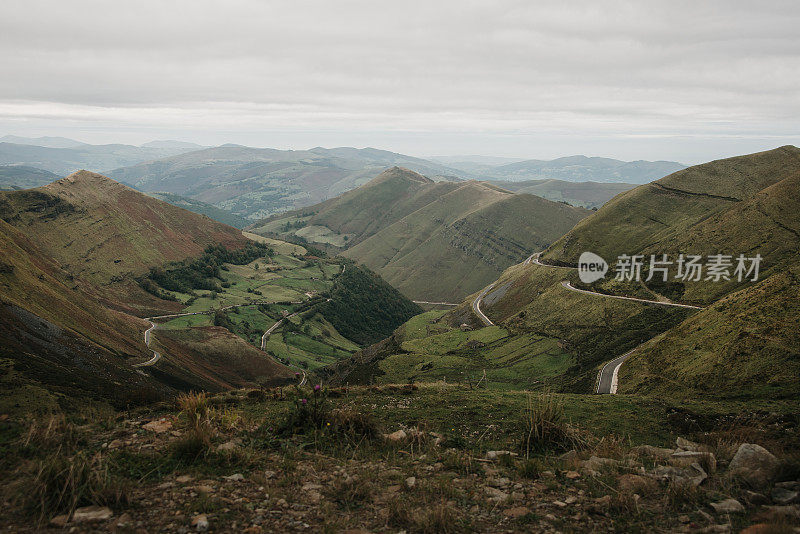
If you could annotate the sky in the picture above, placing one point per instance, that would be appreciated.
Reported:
(681, 80)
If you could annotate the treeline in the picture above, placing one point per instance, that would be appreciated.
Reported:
(364, 308)
(203, 272)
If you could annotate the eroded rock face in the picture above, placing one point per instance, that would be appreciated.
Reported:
(754, 464)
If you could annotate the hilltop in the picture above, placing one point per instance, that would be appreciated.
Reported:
(432, 240)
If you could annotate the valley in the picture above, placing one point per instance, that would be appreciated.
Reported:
(290, 356)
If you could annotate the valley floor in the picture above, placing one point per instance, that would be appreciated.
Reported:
(403, 457)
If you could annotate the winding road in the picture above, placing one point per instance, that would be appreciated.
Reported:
(608, 375)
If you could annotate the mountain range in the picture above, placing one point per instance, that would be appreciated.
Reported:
(253, 183)
(433, 241)
(740, 341)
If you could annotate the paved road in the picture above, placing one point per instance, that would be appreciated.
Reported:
(435, 303)
(265, 337)
(476, 305)
(156, 355)
(569, 286)
(607, 383)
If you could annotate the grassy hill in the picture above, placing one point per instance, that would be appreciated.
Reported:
(432, 241)
(257, 182)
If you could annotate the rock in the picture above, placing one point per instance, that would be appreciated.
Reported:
(630, 483)
(124, 523)
(687, 445)
(269, 474)
(183, 479)
(754, 464)
(517, 496)
(516, 512)
(91, 513)
(658, 453)
(411, 482)
(495, 494)
(311, 487)
(158, 426)
(569, 456)
(500, 482)
(227, 446)
(783, 496)
(687, 458)
(597, 464)
(200, 522)
(728, 506)
(572, 475)
(494, 455)
(399, 435)
(572, 499)
(694, 474)
(60, 520)
(560, 504)
(282, 503)
(115, 444)
(204, 488)
(755, 499)
(236, 477)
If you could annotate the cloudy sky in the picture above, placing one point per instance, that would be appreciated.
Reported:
(679, 80)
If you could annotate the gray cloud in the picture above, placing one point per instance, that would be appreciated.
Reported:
(651, 79)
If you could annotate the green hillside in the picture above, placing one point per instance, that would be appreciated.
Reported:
(103, 231)
(432, 241)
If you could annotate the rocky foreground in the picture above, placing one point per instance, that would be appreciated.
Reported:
(157, 472)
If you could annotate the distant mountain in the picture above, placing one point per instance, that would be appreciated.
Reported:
(22, 177)
(202, 208)
(49, 142)
(432, 241)
(64, 161)
(585, 169)
(586, 194)
(170, 144)
(257, 182)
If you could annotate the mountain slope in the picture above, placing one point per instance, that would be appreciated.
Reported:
(734, 206)
(433, 241)
(202, 208)
(101, 231)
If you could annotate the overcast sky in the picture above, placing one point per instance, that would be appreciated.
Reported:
(687, 81)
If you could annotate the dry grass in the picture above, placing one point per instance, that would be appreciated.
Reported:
(61, 484)
(544, 426)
